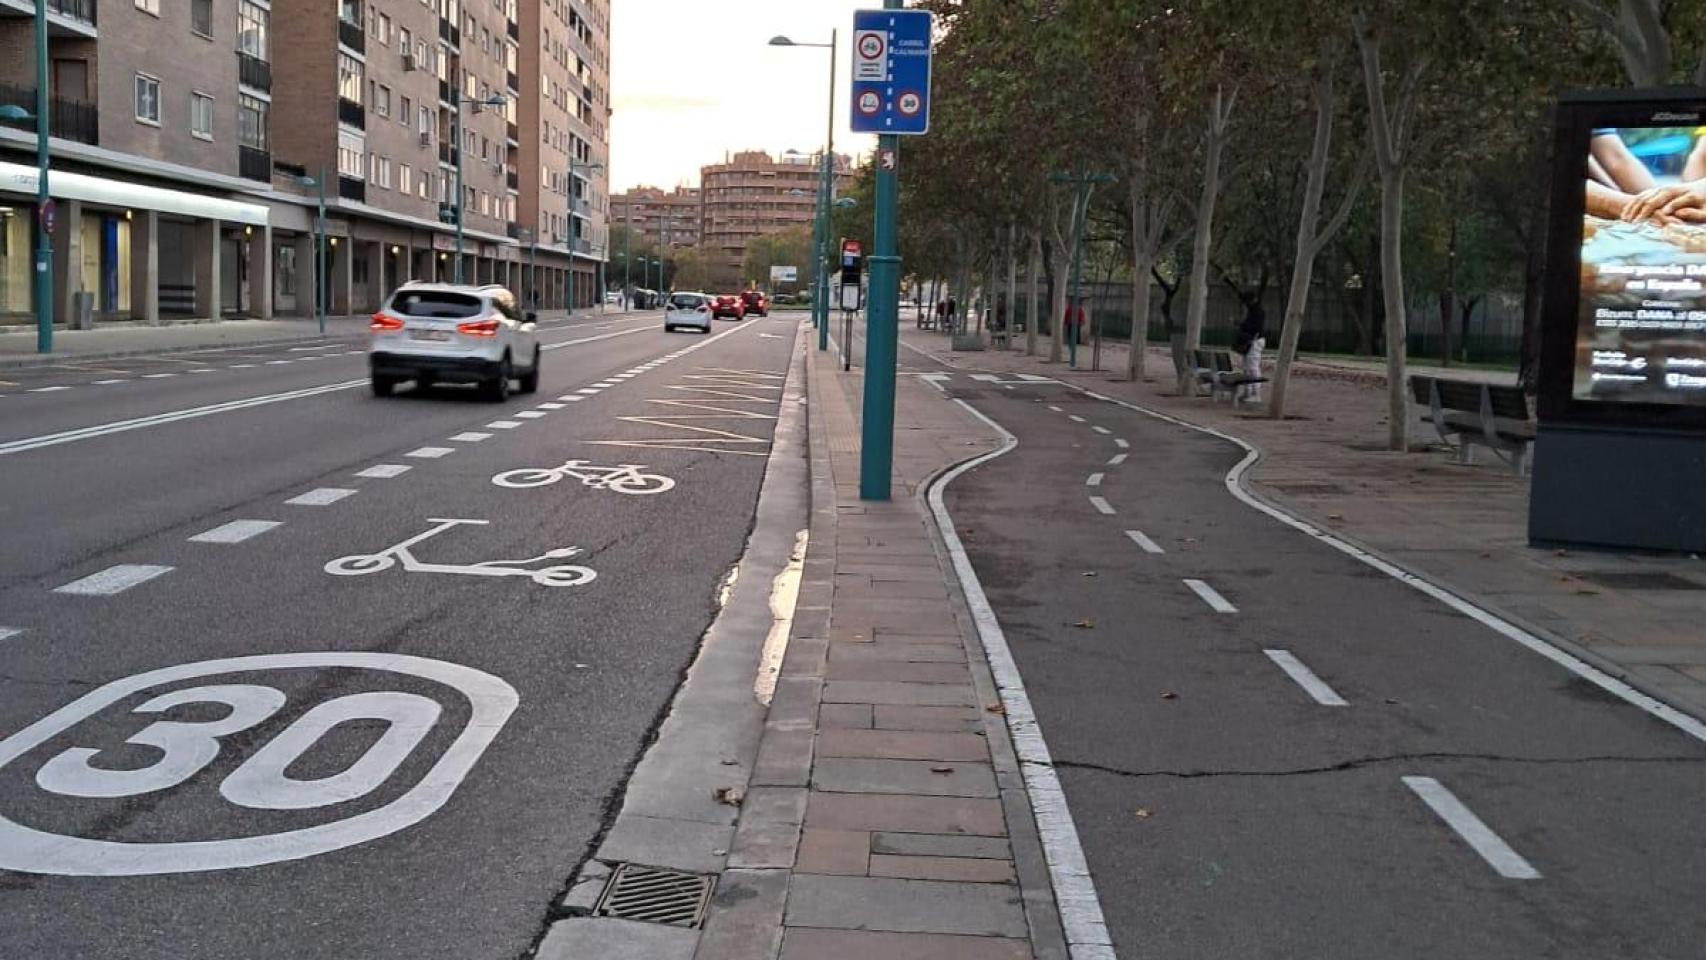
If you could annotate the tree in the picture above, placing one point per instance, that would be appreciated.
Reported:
(1646, 33)
(791, 248)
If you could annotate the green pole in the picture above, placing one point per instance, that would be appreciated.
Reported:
(44, 240)
(882, 328)
(1080, 213)
(627, 262)
(320, 288)
(825, 195)
(456, 135)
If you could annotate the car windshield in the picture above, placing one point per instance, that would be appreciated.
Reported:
(683, 301)
(435, 304)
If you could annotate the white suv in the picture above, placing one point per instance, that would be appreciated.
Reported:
(443, 333)
(687, 310)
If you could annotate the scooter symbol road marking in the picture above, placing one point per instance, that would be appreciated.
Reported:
(561, 575)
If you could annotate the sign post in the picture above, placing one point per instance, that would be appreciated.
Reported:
(891, 98)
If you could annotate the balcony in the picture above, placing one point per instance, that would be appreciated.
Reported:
(353, 114)
(444, 92)
(514, 230)
(66, 119)
(513, 178)
(253, 72)
(450, 33)
(514, 80)
(351, 35)
(581, 245)
(350, 188)
(254, 164)
(515, 31)
(513, 132)
(447, 154)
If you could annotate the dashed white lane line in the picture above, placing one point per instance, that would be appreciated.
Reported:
(1075, 418)
(1313, 685)
(1498, 854)
(278, 363)
(502, 425)
(430, 453)
(604, 385)
(529, 414)
(1148, 545)
(384, 471)
(157, 376)
(103, 383)
(322, 497)
(242, 366)
(235, 532)
(113, 580)
(572, 399)
(1122, 444)
(7, 633)
(1102, 430)
(587, 391)
(1102, 505)
(1118, 459)
(471, 436)
(1094, 480)
(1055, 408)
(1210, 596)
(552, 406)
(201, 370)
(46, 389)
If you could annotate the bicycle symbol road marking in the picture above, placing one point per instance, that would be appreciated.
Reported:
(628, 478)
(560, 575)
(260, 782)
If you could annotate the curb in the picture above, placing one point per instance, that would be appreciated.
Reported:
(54, 359)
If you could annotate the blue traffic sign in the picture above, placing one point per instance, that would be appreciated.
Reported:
(891, 71)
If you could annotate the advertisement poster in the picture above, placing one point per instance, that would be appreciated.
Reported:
(1642, 333)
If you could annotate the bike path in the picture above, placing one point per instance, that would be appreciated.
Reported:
(590, 667)
(1225, 810)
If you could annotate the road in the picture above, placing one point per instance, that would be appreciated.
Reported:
(1272, 749)
(245, 717)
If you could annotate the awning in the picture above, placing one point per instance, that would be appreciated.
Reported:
(17, 178)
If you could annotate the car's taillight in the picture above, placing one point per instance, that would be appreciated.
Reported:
(478, 328)
(383, 323)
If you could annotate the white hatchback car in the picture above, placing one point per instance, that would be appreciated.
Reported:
(443, 333)
(687, 310)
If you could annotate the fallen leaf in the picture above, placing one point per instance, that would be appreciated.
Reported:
(1169, 695)
(1585, 592)
(1486, 556)
(995, 708)
(730, 796)
(1088, 573)
(1141, 813)
(941, 769)
(1335, 516)
(1391, 699)
(730, 763)
(1085, 625)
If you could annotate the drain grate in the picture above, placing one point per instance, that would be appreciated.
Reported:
(650, 895)
(1642, 580)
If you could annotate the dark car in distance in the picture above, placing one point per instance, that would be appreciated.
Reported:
(756, 302)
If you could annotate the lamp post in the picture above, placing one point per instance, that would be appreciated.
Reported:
(627, 235)
(319, 246)
(44, 239)
(575, 166)
(820, 300)
(456, 103)
(526, 233)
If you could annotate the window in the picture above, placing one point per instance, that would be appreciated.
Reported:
(252, 121)
(405, 41)
(405, 178)
(148, 99)
(381, 167)
(425, 120)
(149, 6)
(253, 26)
(405, 110)
(425, 187)
(383, 34)
(201, 116)
(350, 11)
(201, 18)
(350, 157)
(382, 100)
(350, 78)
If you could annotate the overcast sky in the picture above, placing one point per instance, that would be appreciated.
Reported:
(694, 80)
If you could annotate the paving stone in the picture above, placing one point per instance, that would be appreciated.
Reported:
(903, 745)
(898, 670)
(602, 938)
(934, 778)
(784, 758)
(678, 844)
(935, 845)
(745, 920)
(905, 814)
(908, 906)
(834, 851)
(900, 652)
(795, 701)
(805, 943)
(857, 716)
(904, 694)
(942, 868)
(806, 657)
(769, 829)
(951, 719)
(948, 632)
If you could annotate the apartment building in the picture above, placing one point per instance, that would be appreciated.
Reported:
(193, 142)
(657, 217)
(753, 194)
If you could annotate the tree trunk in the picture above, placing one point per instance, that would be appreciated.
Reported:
(1533, 286)
(1033, 296)
(1392, 280)
(1057, 309)
(1012, 281)
(1448, 298)
(1197, 311)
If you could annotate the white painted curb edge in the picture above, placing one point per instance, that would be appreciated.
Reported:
(1074, 890)
(1581, 668)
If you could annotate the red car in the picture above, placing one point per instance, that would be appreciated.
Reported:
(756, 302)
(728, 305)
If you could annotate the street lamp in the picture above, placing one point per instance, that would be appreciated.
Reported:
(319, 183)
(44, 240)
(820, 302)
(574, 166)
(456, 103)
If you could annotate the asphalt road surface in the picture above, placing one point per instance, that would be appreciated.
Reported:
(1273, 750)
(290, 671)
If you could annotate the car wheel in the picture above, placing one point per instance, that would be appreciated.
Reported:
(382, 386)
(497, 389)
(669, 328)
(530, 379)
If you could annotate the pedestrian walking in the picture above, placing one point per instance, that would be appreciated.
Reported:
(953, 312)
(1074, 322)
(1249, 343)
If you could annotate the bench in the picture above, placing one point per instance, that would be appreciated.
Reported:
(1467, 414)
(1216, 370)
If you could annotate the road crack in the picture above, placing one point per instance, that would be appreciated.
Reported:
(1363, 762)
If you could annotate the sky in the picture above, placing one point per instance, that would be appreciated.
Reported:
(695, 80)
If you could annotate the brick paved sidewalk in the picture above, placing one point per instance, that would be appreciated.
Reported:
(886, 797)
(1465, 527)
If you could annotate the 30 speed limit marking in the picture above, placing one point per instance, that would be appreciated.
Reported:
(239, 693)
